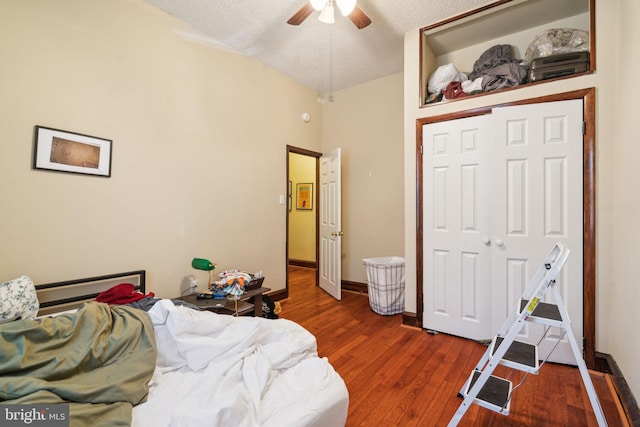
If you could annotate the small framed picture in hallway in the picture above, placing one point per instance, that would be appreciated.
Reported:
(304, 196)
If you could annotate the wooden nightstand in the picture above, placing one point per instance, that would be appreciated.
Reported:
(226, 306)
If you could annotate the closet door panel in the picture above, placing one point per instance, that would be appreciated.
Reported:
(456, 221)
(538, 148)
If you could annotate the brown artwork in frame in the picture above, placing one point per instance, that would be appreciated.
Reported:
(64, 151)
(304, 196)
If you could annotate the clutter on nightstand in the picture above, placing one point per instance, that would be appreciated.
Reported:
(255, 282)
(235, 287)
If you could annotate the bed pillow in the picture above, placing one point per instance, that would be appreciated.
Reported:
(18, 299)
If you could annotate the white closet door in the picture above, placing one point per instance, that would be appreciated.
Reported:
(498, 192)
(537, 153)
(457, 208)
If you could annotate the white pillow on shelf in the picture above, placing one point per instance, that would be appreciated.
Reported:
(18, 299)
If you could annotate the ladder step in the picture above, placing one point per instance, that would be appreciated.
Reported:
(520, 355)
(547, 314)
(494, 395)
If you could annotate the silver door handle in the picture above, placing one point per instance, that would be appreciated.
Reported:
(499, 242)
(337, 233)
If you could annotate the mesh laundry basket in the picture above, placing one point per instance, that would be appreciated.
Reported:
(385, 279)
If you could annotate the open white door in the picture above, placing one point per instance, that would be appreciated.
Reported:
(330, 233)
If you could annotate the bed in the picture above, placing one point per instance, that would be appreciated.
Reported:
(166, 365)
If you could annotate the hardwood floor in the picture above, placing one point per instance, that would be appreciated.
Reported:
(403, 376)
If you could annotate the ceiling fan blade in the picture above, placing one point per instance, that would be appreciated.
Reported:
(302, 14)
(359, 18)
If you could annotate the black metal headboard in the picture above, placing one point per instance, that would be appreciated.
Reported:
(68, 295)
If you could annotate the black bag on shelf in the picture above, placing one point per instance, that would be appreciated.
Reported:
(558, 65)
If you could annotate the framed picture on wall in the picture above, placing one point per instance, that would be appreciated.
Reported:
(63, 151)
(304, 196)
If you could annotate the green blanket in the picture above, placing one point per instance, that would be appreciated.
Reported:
(98, 360)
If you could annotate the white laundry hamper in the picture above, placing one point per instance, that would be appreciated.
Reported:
(385, 284)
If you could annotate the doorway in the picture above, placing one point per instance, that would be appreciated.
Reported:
(302, 226)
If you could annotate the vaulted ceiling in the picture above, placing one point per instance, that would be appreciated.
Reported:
(324, 57)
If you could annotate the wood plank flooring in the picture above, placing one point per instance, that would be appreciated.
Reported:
(403, 376)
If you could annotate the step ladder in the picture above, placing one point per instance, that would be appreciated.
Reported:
(493, 392)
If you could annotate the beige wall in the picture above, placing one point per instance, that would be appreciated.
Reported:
(199, 143)
(302, 223)
(198, 163)
(617, 152)
(365, 121)
(620, 277)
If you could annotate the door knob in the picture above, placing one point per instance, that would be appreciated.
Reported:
(337, 233)
(486, 241)
(499, 243)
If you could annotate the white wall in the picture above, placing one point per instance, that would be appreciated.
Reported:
(199, 146)
(617, 173)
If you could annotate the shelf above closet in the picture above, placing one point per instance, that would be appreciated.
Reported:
(462, 39)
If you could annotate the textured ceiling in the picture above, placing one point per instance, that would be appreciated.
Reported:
(323, 57)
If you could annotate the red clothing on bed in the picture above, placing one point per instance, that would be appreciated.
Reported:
(123, 293)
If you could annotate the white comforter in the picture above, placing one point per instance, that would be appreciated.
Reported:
(216, 370)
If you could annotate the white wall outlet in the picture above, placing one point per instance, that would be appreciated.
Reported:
(193, 285)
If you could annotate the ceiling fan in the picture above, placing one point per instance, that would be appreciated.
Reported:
(327, 7)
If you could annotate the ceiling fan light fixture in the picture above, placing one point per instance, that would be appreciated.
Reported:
(327, 15)
(318, 4)
(346, 6)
